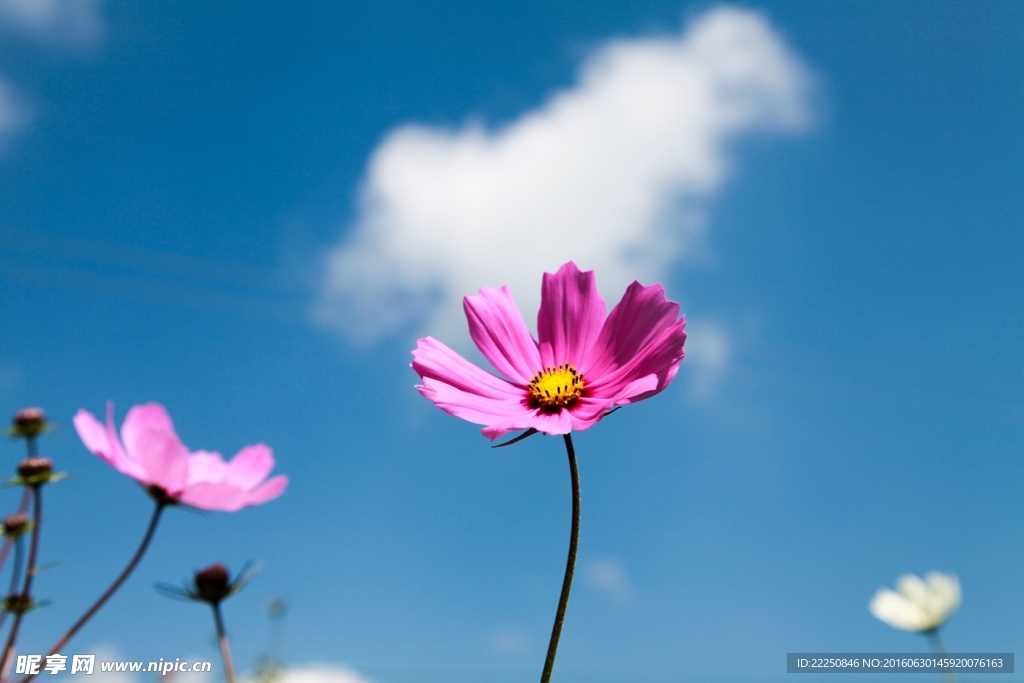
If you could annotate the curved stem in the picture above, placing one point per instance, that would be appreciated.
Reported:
(110, 591)
(570, 563)
(222, 640)
(30, 571)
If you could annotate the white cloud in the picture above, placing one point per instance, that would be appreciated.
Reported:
(320, 673)
(707, 355)
(509, 641)
(609, 577)
(609, 172)
(71, 23)
(14, 114)
(312, 673)
(66, 23)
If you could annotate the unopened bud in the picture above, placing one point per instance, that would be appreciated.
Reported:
(15, 525)
(17, 603)
(35, 470)
(213, 584)
(28, 422)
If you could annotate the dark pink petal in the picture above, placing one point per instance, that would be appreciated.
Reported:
(571, 315)
(551, 423)
(163, 458)
(97, 440)
(498, 330)
(558, 423)
(636, 321)
(588, 412)
(477, 408)
(214, 496)
(151, 416)
(460, 388)
(432, 359)
(250, 466)
(270, 490)
(647, 373)
(206, 466)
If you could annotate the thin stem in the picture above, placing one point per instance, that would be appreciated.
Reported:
(30, 572)
(222, 639)
(113, 587)
(938, 648)
(26, 498)
(19, 550)
(30, 445)
(570, 563)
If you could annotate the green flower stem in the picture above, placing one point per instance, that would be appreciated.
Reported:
(570, 564)
(113, 587)
(222, 640)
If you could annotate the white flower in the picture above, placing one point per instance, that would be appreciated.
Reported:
(916, 604)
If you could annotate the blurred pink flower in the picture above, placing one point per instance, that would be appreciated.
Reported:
(150, 452)
(584, 365)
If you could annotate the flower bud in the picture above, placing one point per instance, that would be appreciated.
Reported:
(213, 584)
(18, 603)
(15, 525)
(28, 422)
(35, 470)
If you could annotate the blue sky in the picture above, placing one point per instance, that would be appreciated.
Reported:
(249, 212)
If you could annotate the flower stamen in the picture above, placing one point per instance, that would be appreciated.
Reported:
(555, 388)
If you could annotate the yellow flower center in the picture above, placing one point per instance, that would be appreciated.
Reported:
(556, 388)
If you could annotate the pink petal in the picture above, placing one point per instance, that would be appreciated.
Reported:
(151, 416)
(498, 330)
(588, 411)
(226, 497)
(571, 315)
(648, 372)
(460, 388)
(551, 423)
(250, 466)
(163, 458)
(206, 466)
(117, 448)
(97, 440)
(557, 423)
(270, 490)
(432, 359)
(477, 408)
(500, 415)
(210, 496)
(91, 432)
(639, 318)
(647, 384)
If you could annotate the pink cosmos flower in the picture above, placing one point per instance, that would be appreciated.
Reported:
(584, 364)
(150, 452)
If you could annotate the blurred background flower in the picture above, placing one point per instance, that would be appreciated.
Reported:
(916, 604)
